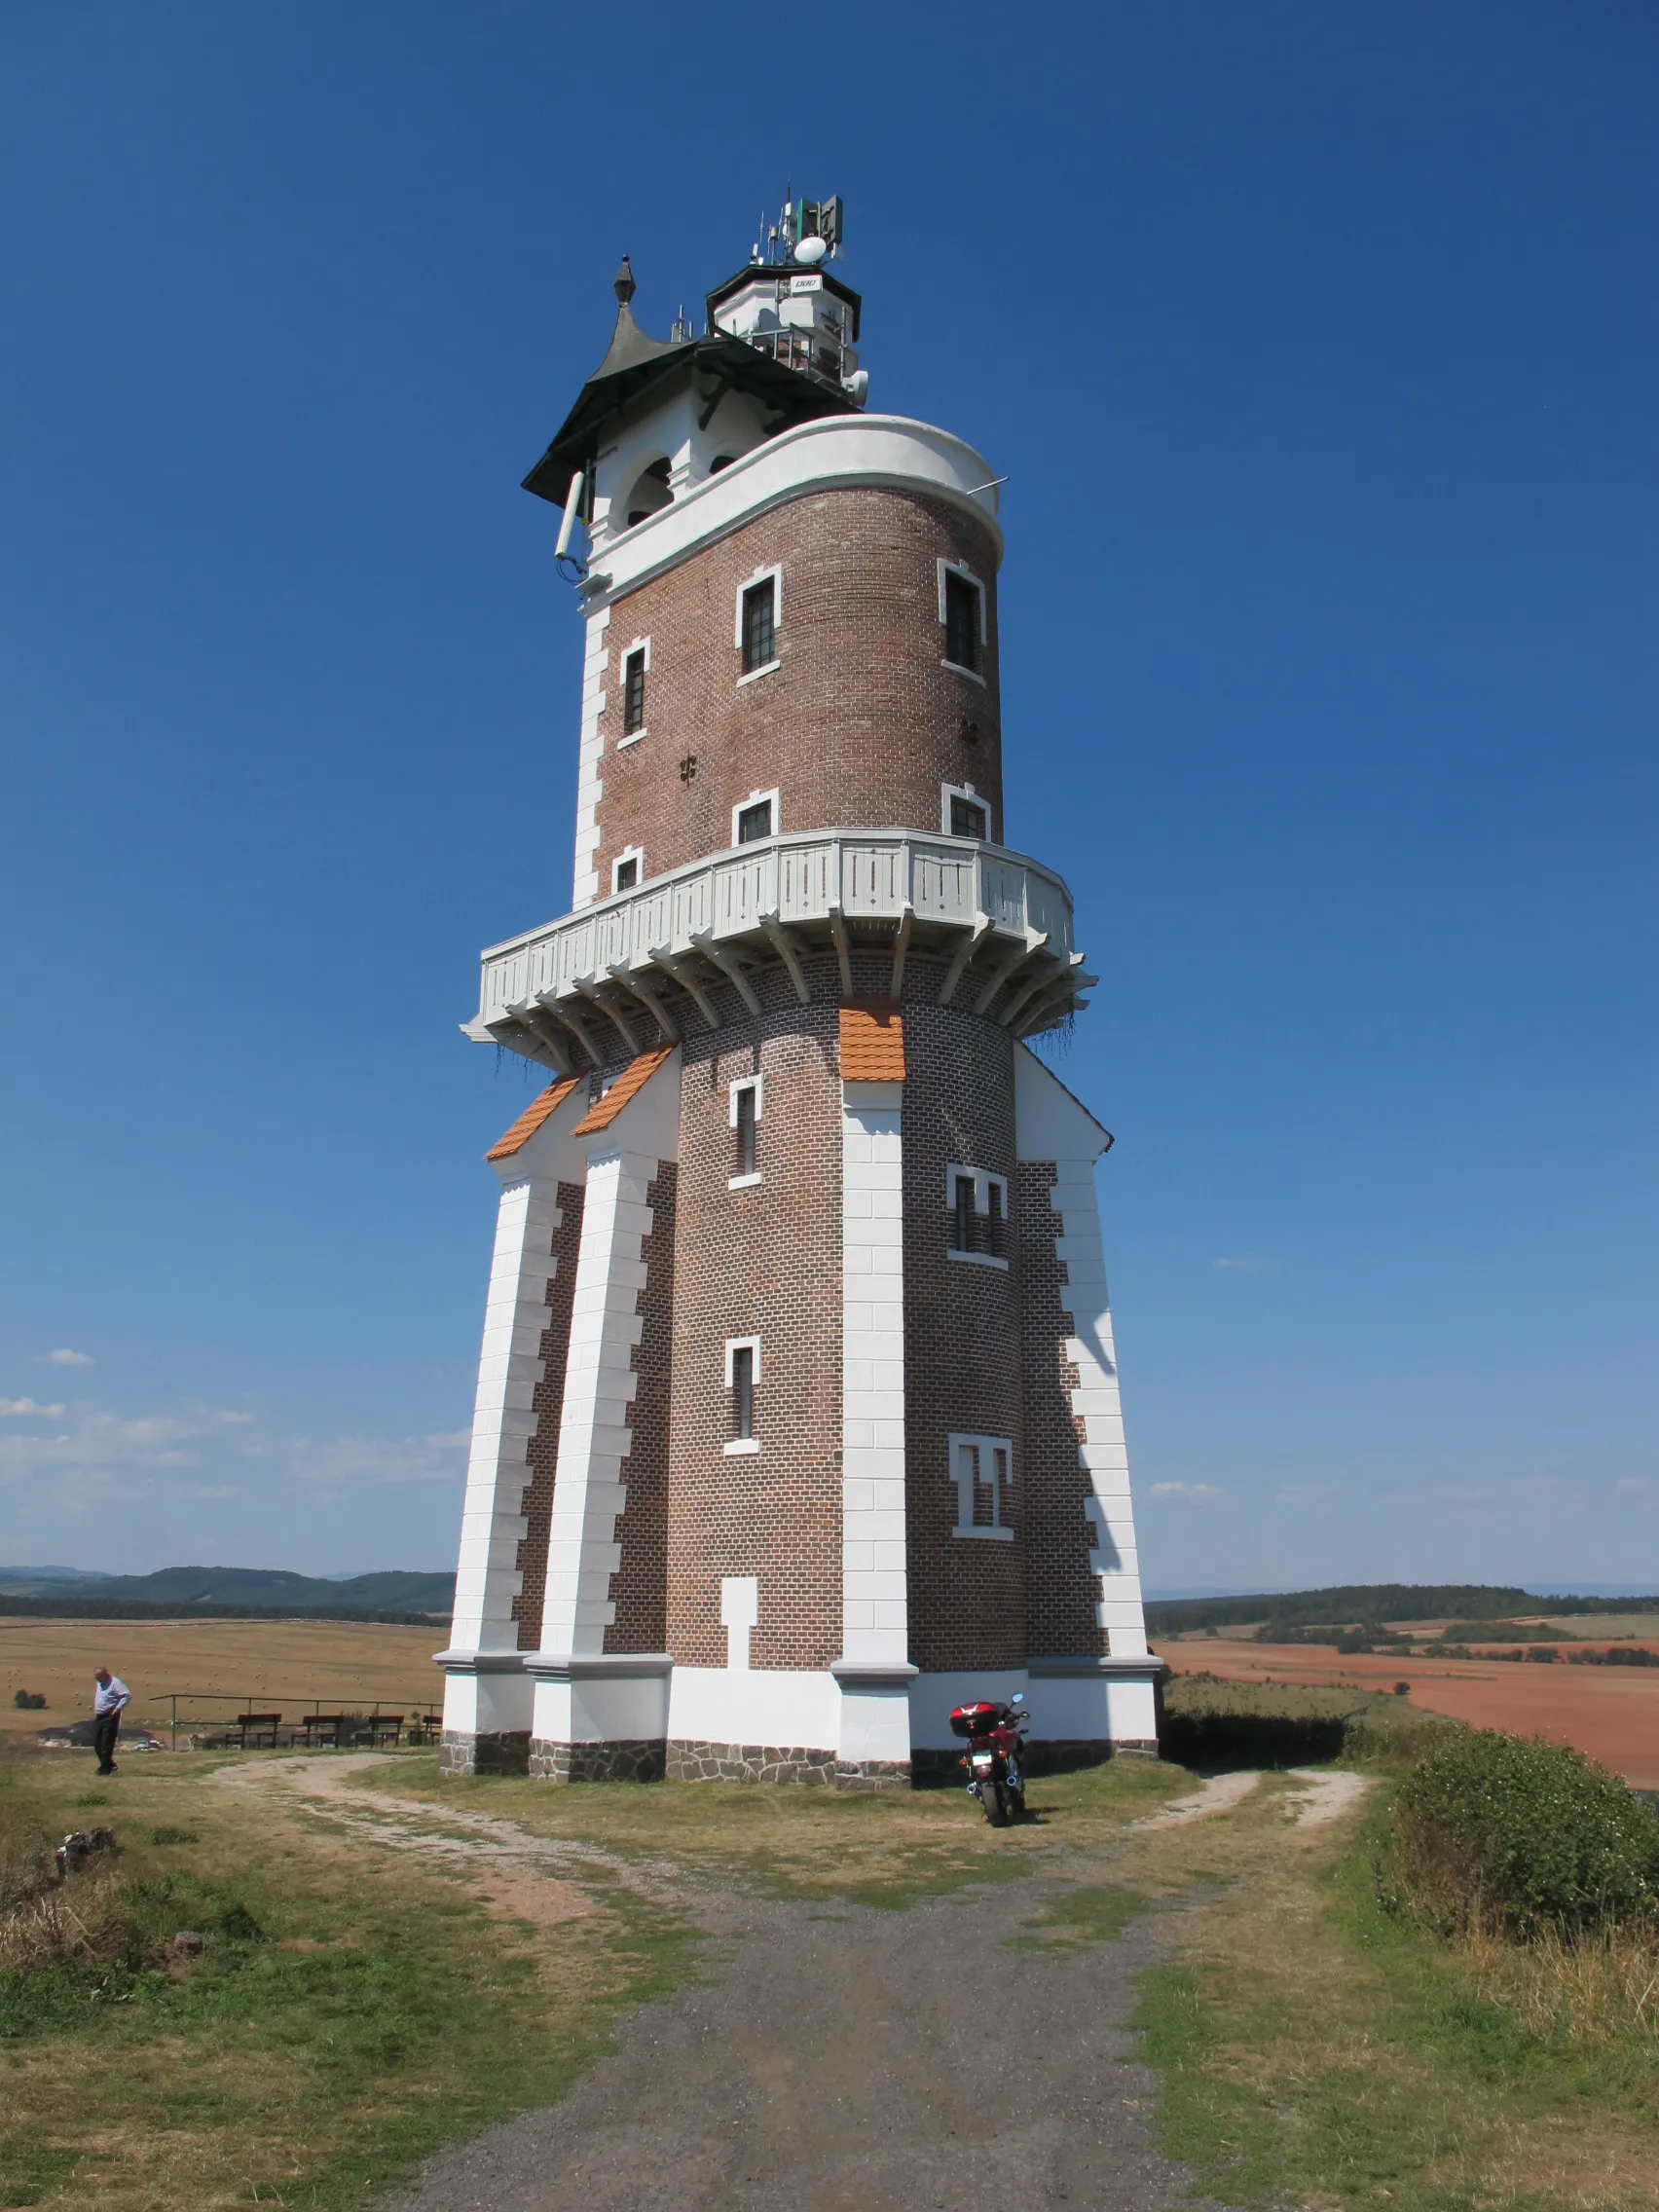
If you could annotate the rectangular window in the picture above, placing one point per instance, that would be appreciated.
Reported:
(625, 871)
(760, 632)
(745, 1130)
(634, 692)
(977, 1208)
(981, 1469)
(969, 818)
(961, 621)
(962, 1215)
(743, 1372)
(754, 820)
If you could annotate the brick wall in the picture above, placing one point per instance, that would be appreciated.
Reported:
(1064, 1583)
(543, 1452)
(861, 724)
(640, 1585)
(962, 1343)
(759, 1262)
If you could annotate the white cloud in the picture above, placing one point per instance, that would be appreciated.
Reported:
(68, 1358)
(1244, 1264)
(1186, 1490)
(184, 1453)
(347, 1462)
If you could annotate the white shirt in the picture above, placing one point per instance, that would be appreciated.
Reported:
(112, 1695)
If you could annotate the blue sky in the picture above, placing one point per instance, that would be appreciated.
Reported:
(1319, 344)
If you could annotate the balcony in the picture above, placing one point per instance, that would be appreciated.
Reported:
(992, 930)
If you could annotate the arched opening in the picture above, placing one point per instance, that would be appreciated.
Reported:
(719, 461)
(650, 493)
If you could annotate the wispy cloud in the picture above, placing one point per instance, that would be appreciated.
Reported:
(1197, 1491)
(194, 1452)
(64, 1357)
(1243, 1264)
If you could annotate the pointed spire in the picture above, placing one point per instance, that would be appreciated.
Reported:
(625, 288)
(628, 344)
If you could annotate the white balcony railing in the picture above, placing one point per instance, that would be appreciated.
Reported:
(1002, 923)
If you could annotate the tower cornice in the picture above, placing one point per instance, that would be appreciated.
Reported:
(886, 450)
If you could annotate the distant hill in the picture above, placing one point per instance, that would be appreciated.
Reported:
(217, 1590)
(1358, 1604)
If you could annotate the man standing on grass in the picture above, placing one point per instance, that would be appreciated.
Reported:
(113, 1694)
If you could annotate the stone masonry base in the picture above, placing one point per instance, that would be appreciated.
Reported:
(505, 1753)
(636, 1759)
(864, 1775)
(689, 1761)
(1054, 1754)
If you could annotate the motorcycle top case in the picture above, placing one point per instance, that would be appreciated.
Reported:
(975, 1720)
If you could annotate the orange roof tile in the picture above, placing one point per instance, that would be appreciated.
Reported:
(628, 1085)
(532, 1119)
(872, 1044)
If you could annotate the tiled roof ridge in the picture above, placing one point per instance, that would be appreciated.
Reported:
(628, 1085)
(872, 1044)
(530, 1119)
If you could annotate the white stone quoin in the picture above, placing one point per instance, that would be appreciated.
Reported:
(875, 1670)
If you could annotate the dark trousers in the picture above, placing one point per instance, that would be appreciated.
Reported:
(106, 1727)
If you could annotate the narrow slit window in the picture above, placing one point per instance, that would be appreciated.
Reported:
(961, 623)
(759, 625)
(755, 821)
(969, 818)
(743, 1393)
(994, 1219)
(746, 1130)
(962, 1214)
(634, 692)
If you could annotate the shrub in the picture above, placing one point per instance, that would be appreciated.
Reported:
(1402, 1689)
(29, 1701)
(1490, 1828)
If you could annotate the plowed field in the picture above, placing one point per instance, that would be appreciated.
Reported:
(1611, 1713)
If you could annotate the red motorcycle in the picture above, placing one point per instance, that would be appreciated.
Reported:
(992, 1756)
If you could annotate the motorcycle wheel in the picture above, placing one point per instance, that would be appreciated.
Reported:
(995, 1803)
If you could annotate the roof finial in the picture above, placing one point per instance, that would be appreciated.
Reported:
(625, 288)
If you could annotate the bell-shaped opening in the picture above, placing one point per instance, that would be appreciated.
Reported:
(650, 493)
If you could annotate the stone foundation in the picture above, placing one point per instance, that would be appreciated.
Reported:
(689, 1761)
(861, 1776)
(641, 1759)
(505, 1753)
(1052, 1755)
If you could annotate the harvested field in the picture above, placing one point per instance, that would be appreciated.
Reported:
(283, 1665)
(1609, 1713)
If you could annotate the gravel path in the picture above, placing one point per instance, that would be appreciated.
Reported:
(835, 2058)
(844, 2058)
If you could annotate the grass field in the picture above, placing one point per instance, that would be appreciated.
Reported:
(282, 1665)
(1609, 1713)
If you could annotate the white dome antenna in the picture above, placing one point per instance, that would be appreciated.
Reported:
(811, 251)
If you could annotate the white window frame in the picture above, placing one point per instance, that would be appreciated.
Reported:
(628, 853)
(638, 736)
(981, 1179)
(961, 1440)
(949, 792)
(756, 1084)
(748, 585)
(741, 1443)
(962, 570)
(753, 799)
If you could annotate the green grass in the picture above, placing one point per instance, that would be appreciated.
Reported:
(1079, 1918)
(1314, 2050)
(334, 2032)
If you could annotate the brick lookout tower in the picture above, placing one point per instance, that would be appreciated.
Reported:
(797, 1416)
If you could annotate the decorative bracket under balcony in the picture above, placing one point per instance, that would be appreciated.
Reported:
(997, 925)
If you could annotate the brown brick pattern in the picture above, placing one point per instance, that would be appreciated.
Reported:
(1064, 1581)
(640, 1585)
(543, 1452)
(861, 724)
(761, 1262)
(962, 1344)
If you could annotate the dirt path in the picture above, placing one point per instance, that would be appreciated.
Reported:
(1219, 1794)
(835, 2058)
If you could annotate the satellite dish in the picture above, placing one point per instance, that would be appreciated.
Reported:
(811, 251)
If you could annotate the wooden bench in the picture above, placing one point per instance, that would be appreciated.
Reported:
(257, 1731)
(320, 1728)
